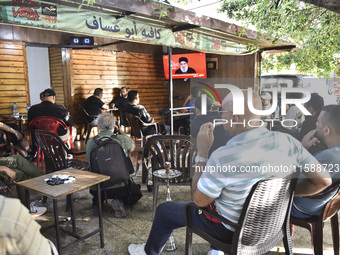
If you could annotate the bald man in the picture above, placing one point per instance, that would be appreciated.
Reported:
(250, 145)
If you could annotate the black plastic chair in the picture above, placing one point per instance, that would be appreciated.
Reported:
(263, 223)
(56, 152)
(137, 133)
(122, 120)
(176, 149)
(89, 124)
(315, 223)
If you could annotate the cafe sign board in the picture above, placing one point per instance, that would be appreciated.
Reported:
(53, 16)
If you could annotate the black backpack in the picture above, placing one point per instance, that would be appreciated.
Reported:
(109, 158)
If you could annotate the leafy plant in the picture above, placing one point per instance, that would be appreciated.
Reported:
(315, 30)
(160, 9)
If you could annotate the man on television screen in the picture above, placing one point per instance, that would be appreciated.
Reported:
(183, 66)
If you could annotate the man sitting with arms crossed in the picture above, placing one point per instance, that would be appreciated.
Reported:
(327, 130)
(249, 146)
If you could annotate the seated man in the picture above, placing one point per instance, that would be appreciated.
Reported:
(138, 110)
(118, 192)
(121, 102)
(314, 106)
(94, 105)
(16, 168)
(19, 234)
(225, 191)
(220, 134)
(48, 107)
(17, 139)
(327, 130)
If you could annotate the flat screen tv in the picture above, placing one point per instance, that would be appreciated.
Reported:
(192, 65)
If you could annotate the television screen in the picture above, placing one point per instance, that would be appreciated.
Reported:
(191, 65)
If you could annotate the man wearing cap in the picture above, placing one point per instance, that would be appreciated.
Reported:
(48, 107)
(183, 66)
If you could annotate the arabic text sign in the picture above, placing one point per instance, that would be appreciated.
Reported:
(62, 18)
(34, 13)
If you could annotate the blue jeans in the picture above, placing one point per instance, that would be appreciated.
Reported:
(170, 216)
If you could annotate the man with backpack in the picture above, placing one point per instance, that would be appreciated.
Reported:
(107, 154)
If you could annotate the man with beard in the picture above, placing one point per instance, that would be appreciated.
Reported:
(183, 66)
(327, 130)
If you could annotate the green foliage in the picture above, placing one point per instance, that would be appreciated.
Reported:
(160, 9)
(315, 29)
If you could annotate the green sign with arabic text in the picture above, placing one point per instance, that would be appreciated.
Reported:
(62, 18)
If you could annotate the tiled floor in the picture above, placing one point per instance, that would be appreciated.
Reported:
(120, 232)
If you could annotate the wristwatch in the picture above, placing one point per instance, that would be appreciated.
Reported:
(199, 159)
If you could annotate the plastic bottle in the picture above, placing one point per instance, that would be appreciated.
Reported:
(28, 107)
(15, 109)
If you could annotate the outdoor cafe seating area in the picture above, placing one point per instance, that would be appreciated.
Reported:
(120, 232)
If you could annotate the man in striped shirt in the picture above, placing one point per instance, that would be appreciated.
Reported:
(230, 173)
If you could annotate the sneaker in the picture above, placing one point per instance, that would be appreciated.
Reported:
(136, 249)
(36, 210)
(118, 207)
(215, 252)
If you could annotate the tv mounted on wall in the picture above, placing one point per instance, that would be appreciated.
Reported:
(192, 65)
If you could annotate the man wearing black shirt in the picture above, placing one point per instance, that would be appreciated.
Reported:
(121, 102)
(48, 107)
(138, 110)
(94, 104)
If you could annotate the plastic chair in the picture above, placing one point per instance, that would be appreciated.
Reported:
(263, 223)
(89, 122)
(315, 224)
(50, 124)
(176, 149)
(137, 133)
(56, 152)
(122, 120)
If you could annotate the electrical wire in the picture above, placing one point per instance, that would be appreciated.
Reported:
(204, 5)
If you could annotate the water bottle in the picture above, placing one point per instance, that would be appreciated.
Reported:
(15, 109)
(28, 107)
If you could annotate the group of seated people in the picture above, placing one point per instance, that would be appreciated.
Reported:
(17, 167)
(128, 101)
(251, 145)
(237, 145)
